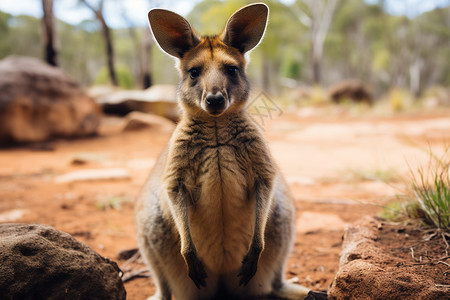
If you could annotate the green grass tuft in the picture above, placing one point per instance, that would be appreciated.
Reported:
(431, 192)
(112, 202)
(427, 199)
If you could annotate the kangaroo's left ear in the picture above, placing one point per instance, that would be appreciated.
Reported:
(246, 27)
(172, 32)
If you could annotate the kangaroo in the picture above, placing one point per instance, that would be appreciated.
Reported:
(215, 218)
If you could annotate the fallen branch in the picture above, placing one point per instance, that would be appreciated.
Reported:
(131, 260)
(141, 273)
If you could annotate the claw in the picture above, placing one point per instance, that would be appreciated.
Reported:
(196, 270)
(198, 274)
(316, 296)
(249, 268)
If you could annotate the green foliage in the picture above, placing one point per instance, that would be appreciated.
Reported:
(21, 36)
(5, 45)
(81, 50)
(364, 42)
(124, 77)
(292, 69)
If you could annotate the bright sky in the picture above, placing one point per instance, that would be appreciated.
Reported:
(72, 12)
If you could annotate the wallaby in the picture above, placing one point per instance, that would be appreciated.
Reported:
(215, 219)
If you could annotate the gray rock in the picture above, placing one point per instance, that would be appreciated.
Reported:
(40, 262)
(137, 120)
(158, 100)
(39, 102)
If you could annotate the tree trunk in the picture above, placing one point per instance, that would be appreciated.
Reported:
(414, 77)
(321, 16)
(316, 69)
(109, 50)
(51, 54)
(146, 65)
(108, 40)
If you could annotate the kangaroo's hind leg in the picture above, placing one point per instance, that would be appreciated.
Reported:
(281, 234)
(151, 242)
(162, 286)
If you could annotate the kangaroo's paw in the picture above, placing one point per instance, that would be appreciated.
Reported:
(248, 268)
(316, 296)
(159, 296)
(196, 270)
(293, 292)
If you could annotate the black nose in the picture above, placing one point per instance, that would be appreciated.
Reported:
(216, 101)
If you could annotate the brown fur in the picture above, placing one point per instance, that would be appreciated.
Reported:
(215, 219)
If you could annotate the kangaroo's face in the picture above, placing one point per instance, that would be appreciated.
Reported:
(213, 79)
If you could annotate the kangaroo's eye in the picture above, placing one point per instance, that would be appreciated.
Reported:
(232, 71)
(194, 73)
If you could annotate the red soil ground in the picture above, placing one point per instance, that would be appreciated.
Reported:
(339, 169)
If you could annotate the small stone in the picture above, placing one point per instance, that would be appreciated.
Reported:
(12, 215)
(138, 120)
(93, 174)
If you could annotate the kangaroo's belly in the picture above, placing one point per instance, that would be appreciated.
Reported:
(224, 215)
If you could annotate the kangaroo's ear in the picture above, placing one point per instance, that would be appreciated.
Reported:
(246, 27)
(172, 32)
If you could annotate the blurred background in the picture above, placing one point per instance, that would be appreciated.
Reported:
(394, 49)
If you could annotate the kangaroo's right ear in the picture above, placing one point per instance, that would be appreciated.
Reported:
(172, 32)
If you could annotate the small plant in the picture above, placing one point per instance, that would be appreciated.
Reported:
(399, 99)
(431, 192)
(377, 174)
(427, 199)
(113, 202)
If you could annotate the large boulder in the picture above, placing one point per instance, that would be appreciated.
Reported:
(40, 262)
(159, 100)
(39, 102)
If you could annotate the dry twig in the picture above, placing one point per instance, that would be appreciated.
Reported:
(141, 273)
(412, 255)
(129, 261)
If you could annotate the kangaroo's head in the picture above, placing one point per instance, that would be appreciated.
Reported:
(212, 68)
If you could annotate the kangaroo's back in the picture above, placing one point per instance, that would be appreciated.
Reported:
(215, 217)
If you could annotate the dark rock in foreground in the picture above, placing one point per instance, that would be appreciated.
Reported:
(40, 262)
